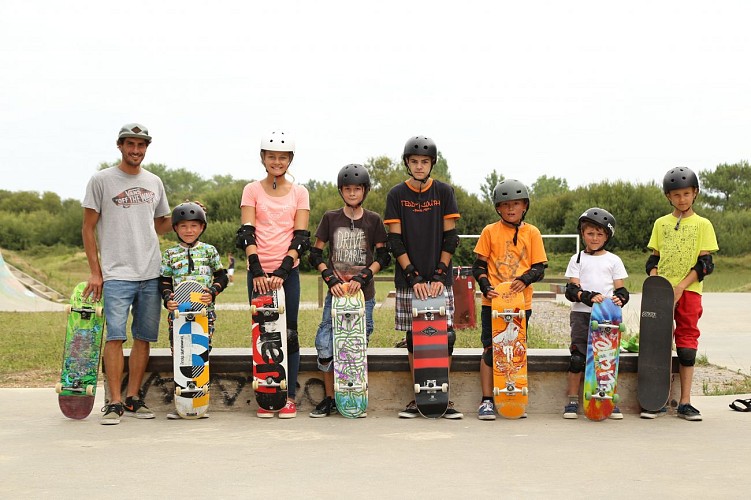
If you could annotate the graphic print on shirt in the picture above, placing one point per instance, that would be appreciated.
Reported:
(274, 215)
(680, 246)
(133, 196)
(421, 206)
(508, 265)
(349, 252)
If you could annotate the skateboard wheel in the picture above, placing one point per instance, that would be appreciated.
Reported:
(442, 311)
(178, 391)
(594, 324)
(337, 388)
(281, 309)
(68, 308)
(361, 311)
(175, 314)
(252, 309)
(58, 388)
(525, 391)
(444, 387)
(255, 384)
(622, 327)
(89, 390)
(99, 311)
(496, 391)
(417, 388)
(283, 385)
(414, 312)
(616, 398)
(495, 315)
(587, 396)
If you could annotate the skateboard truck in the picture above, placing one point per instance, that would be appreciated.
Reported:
(269, 382)
(429, 312)
(431, 387)
(508, 315)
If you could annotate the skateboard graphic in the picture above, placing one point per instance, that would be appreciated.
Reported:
(509, 333)
(350, 354)
(430, 359)
(189, 330)
(655, 343)
(81, 353)
(603, 354)
(269, 339)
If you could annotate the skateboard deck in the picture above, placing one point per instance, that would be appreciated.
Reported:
(350, 354)
(655, 343)
(190, 350)
(430, 359)
(81, 353)
(603, 354)
(269, 341)
(509, 333)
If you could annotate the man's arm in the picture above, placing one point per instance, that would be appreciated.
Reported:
(163, 225)
(88, 232)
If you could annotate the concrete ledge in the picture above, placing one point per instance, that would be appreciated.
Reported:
(390, 382)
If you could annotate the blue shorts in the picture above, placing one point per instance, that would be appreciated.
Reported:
(325, 333)
(142, 297)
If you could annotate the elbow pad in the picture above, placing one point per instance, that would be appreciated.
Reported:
(382, 256)
(450, 241)
(396, 245)
(572, 292)
(704, 266)
(300, 242)
(315, 258)
(535, 274)
(245, 236)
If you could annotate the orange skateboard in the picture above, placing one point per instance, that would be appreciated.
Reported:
(509, 334)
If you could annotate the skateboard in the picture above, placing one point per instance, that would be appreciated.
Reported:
(603, 354)
(269, 340)
(350, 354)
(509, 329)
(82, 349)
(655, 343)
(190, 350)
(430, 360)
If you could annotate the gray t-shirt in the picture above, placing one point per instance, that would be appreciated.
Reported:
(127, 206)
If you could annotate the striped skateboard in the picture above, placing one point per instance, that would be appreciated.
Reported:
(430, 355)
(350, 354)
(189, 337)
(269, 339)
(603, 354)
(509, 333)
(83, 345)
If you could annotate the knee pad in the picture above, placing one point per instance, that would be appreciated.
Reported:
(325, 365)
(293, 344)
(578, 362)
(487, 356)
(451, 340)
(408, 338)
(686, 356)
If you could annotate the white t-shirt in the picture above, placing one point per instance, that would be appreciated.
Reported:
(595, 273)
(127, 206)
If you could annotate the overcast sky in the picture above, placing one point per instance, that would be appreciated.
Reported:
(586, 91)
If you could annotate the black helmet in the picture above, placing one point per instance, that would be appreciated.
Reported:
(188, 211)
(599, 217)
(354, 174)
(420, 145)
(679, 178)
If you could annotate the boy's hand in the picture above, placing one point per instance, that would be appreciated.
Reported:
(492, 293)
(338, 290)
(353, 287)
(421, 290)
(517, 286)
(436, 288)
(617, 301)
(206, 298)
(677, 294)
(171, 305)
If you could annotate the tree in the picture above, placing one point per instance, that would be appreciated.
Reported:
(548, 186)
(728, 187)
(491, 181)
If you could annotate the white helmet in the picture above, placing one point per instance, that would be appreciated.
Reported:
(278, 140)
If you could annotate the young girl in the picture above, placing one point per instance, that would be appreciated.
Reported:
(274, 236)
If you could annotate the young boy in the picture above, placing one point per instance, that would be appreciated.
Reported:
(594, 275)
(352, 234)
(508, 250)
(421, 217)
(682, 242)
(191, 260)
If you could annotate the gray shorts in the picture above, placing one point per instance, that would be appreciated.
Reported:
(579, 322)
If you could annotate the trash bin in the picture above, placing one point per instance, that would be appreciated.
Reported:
(465, 315)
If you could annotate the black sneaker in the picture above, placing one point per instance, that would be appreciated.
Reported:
(324, 408)
(410, 411)
(112, 414)
(654, 414)
(137, 408)
(688, 412)
(452, 413)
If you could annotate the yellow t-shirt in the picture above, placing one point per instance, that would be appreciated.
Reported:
(507, 261)
(680, 248)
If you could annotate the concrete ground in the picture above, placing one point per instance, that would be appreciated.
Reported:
(231, 454)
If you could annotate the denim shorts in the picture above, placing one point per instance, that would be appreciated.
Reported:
(325, 333)
(140, 297)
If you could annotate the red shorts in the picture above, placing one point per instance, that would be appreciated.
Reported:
(687, 314)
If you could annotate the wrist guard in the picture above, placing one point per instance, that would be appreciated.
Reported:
(441, 273)
(413, 277)
(285, 268)
(254, 266)
(330, 278)
(364, 277)
(587, 296)
(652, 262)
(622, 294)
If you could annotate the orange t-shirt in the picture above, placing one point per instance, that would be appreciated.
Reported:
(507, 261)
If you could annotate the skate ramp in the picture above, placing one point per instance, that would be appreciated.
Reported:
(16, 297)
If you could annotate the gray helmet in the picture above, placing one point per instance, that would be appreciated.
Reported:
(509, 190)
(188, 211)
(679, 178)
(420, 145)
(134, 130)
(599, 217)
(354, 175)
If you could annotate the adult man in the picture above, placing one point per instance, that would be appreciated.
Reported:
(125, 207)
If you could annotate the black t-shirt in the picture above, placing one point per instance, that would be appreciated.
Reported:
(351, 243)
(421, 215)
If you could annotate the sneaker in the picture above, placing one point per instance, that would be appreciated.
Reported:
(616, 415)
(112, 414)
(688, 412)
(289, 410)
(264, 413)
(173, 415)
(486, 410)
(571, 410)
(410, 411)
(451, 413)
(654, 414)
(137, 408)
(324, 408)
